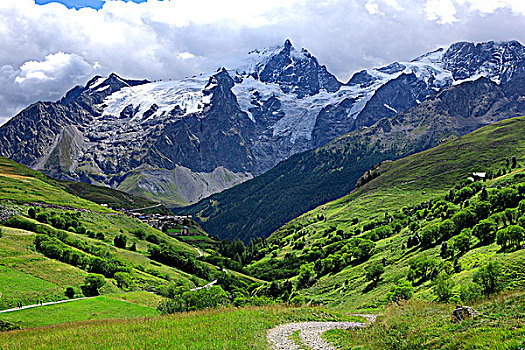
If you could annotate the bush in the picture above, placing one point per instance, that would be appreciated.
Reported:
(490, 278)
(510, 235)
(374, 271)
(462, 241)
(443, 286)
(124, 280)
(485, 230)
(402, 291)
(70, 292)
(92, 284)
(470, 292)
(120, 241)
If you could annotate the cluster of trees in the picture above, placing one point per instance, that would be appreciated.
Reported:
(181, 298)
(54, 248)
(68, 221)
(166, 254)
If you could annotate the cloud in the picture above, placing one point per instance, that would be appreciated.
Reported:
(47, 49)
(442, 11)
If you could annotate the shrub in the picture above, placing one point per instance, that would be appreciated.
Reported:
(374, 271)
(70, 292)
(124, 280)
(429, 235)
(510, 235)
(443, 286)
(485, 230)
(462, 241)
(120, 241)
(92, 284)
(489, 277)
(470, 292)
(402, 291)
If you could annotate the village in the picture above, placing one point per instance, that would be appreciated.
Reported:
(175, 225)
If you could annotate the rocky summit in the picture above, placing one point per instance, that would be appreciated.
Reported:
(180, 141)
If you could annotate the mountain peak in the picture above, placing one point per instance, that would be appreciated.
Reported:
(287, 44)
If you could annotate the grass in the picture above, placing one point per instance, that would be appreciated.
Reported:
(408, 181)
(28, 276)
(20, 184)
(425, 325)
(227, 329)
(97, 308)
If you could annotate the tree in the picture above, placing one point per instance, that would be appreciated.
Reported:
(489, 277)
(133, 247)
(374, 271)
(443, 286)
(31, 212)
(485, 230)
(462, 241)
(402, 291)
(306, 275)
(429, 235)
(70, 292)
(515, 235)
(124, 280)
(510, 235)
(120, 241)
(447, 229)
(92, 284)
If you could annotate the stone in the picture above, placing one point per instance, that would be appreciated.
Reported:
(461, 313)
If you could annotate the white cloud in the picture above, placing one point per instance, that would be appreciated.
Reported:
(373, 8)
(45, 50)
(442, 11)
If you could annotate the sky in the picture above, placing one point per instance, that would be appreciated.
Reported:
(47, 47)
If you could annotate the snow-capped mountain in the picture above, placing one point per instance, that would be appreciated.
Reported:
(179, 141)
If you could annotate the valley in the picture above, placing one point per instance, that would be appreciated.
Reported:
(267, 204)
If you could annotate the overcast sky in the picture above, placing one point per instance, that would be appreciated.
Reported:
(47, 48)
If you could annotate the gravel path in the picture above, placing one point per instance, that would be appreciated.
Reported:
(43, 304)
(280, 337)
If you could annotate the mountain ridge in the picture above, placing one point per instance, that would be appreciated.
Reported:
(277, 102)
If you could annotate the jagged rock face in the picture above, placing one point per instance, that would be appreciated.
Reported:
(245, 119)
(307, 180)
(502, 61)
(298, 72)
(395, 96)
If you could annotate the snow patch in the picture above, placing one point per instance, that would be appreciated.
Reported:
(390, 108)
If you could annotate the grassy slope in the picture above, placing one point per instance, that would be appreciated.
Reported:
(106, 195)
(213, 329)
(20, 184)
(31, 275)
(411, 180)
(423, 325)
(97, 308)
(28, 276)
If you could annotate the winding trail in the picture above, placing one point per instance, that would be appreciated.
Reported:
(308, 334)
(37, 305)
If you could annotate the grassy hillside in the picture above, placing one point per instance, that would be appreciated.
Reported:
(380, 212)
(52, 240)
(423, 325)
(96, 308)
(217, 329)
(260, 206)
